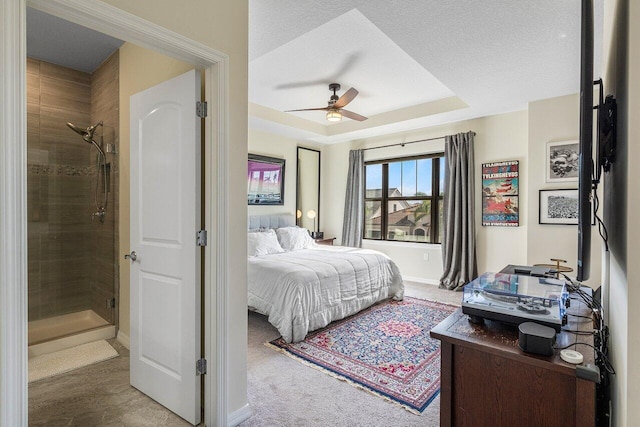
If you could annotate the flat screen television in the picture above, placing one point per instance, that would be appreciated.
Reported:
(585, 183)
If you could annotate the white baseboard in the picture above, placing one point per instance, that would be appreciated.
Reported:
(124, 340)
(236, 417)
(422, 280)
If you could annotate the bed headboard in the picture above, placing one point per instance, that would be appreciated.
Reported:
(257, 222)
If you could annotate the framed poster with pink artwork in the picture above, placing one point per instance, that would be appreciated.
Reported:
(265, 180)
(500, 194)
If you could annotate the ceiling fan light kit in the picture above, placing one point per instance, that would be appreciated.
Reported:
(334, 115)
(335, 106)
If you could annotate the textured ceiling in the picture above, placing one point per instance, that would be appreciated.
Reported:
(416, 63)
(489, 56)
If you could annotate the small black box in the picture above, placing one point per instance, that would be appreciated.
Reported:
(536, 339)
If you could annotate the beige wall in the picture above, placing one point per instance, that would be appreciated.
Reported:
(633, 212)
(555, 119)
(622, 207)
(501, 137)
(139, 70)
(267, 144)
(221, 25)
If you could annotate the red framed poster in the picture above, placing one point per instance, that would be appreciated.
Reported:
(500, 194)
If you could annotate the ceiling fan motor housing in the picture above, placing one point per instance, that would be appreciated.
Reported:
(334, 87)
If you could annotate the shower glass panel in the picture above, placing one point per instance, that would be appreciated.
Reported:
(72, 256)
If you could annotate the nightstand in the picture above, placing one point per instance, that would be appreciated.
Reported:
(325, 241)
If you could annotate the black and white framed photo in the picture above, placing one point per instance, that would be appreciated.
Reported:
(562, 161)
(559, 206)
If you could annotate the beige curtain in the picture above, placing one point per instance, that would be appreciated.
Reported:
(459, 237)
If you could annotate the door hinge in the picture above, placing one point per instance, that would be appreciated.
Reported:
(201, 238)
(201, 367)
(201, 109)
(111, 303)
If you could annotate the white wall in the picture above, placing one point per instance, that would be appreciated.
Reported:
(555, 119)
(501, 137)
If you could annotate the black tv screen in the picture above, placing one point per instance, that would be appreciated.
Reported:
(586, 141)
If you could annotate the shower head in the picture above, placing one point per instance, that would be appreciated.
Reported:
(87, 134)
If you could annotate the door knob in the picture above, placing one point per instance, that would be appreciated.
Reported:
(132, 256)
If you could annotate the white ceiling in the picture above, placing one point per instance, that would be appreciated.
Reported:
(416, 63)
(66, 43)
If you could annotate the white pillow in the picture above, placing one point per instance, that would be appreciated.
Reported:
(294, 238)
(263, 243)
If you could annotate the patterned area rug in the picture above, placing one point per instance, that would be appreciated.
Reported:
(385, 349)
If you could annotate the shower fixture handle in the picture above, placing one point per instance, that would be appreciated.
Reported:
(132, 256)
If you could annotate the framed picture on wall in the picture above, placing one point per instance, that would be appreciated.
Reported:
(500, 205)
(558, 206)
(562, 161)
(265, 180)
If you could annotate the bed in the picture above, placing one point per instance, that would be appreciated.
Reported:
(306, 286)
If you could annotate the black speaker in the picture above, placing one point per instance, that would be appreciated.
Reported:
(536, 339)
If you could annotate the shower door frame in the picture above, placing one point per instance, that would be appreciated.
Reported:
(13, 219)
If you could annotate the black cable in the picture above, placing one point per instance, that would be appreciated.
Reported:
(582, 317)
(602, 229)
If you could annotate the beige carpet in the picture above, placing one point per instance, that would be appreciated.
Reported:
(285, 393)
(48, 365)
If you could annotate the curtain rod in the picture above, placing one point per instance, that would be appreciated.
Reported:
(402, 144)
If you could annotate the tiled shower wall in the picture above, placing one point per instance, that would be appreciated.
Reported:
(104, 106)
(61, 173)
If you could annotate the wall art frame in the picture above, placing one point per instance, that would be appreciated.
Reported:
(265, 180)
(562, 161)
(500, 194)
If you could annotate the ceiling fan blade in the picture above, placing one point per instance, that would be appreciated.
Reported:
(346, 98)
(307, 109)
(352, 115)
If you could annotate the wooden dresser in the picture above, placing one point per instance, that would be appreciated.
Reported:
(486, 380)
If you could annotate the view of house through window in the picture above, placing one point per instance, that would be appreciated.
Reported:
(403, 199)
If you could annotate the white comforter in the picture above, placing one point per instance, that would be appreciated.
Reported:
(305, 290)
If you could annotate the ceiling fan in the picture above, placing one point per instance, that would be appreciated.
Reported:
(335, 108)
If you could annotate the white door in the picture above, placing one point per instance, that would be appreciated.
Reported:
(165, 216)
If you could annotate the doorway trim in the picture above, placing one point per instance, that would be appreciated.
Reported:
(13, 207)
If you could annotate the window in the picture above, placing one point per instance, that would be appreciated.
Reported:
(403, 199)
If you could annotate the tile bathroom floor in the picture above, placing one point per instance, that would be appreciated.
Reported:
(96, 395)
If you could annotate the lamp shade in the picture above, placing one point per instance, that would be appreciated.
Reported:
(311, 214)
(334, 115)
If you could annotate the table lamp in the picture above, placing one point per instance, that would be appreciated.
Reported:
(312, 215)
